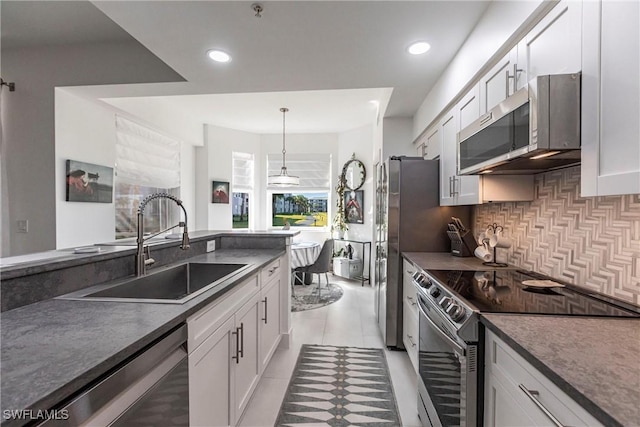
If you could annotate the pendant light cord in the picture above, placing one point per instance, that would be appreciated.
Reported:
(284, 151)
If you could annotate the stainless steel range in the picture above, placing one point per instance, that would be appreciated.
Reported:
(450, 358)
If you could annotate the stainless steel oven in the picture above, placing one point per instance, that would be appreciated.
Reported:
(448, 369)
(450, 358)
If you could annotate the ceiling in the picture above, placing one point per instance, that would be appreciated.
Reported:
(338, 55)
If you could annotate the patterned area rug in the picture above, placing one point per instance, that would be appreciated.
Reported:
(339, 387)
(306, 297)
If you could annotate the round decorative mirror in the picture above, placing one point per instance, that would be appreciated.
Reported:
(354, 174)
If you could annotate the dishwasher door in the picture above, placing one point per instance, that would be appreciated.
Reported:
(150, 390)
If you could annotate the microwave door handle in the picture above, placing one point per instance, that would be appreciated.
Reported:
(439, 332)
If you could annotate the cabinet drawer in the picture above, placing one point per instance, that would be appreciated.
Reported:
(206, 321)
(410, 333)
(512, 371)
(269, 272)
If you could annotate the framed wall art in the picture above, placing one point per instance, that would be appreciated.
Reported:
(220, 192)
(353, 206)
(87, 182)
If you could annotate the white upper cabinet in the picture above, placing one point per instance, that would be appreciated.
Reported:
(469, 107)
(611, 98)
(455, 189)
(497, 84)
(554, 46)
(428, 145)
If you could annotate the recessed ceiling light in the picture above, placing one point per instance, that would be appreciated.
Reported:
(219, 55)
(418, 48)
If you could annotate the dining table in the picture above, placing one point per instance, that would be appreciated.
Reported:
(304, 254)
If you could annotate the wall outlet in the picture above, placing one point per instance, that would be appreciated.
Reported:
(211, 245)
(23, 225)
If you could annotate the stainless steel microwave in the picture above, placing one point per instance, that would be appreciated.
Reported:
(535, 129)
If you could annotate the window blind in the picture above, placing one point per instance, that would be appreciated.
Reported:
(243, 171)
(146, 157)
(314, 170)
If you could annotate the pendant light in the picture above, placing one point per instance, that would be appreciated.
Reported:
(284, 179)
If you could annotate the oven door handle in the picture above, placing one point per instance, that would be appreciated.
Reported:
(459, 349)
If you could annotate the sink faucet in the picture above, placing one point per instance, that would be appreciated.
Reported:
(141, 260)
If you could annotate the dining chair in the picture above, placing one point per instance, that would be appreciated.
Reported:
(322, 264)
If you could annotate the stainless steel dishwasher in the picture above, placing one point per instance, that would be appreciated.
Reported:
(151, 389)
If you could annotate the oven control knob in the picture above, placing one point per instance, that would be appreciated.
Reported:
(455, 312)
(427, 283)
(435, 292)
(444, 302)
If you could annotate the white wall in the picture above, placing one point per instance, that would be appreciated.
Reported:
(214, 162)
(496, 31)
(29, 126)
(398, 137)
(359, 142)
(85, 131)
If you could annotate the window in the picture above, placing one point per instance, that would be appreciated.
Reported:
(300, 209)
(147, 162)
(243, 175)
(306, 205)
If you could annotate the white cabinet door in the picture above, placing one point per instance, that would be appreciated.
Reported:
(210, 379)
(506, 402)
(433, 144)
(611, 98)
(554, 46)
(269, 322)
(448, 159)
(501, 409)
(454, 189)
(247, 368)
(497, 84)
(469, 107)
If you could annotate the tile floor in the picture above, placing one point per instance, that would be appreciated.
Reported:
(350, 321)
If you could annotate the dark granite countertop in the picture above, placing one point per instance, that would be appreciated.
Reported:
(53, 348)
(40, 262)
(593, 360)
(446, 261)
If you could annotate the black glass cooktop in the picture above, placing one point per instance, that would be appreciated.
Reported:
(515, 291)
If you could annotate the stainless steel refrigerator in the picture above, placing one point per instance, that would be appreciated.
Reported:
(409, 218)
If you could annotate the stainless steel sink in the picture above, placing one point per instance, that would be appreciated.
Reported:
(173, 285)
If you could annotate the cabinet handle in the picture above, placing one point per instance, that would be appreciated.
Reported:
(411, 300)
(237, 356)
(516, 70)
(241, 340)
(410, 338)
(484, 119)
(450, 190)
(265, 310)
(454, 180)
(532, 394)
(271, 270)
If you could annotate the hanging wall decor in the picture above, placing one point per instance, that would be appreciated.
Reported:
(87, 182)
(353, 203)
(220, 192)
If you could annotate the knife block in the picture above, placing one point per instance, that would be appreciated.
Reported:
(462, 245)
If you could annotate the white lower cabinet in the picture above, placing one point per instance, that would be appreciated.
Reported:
(269, 321)
(517, 394)
(410, 313)
(230, 343)
(247, 358)
(210, 379)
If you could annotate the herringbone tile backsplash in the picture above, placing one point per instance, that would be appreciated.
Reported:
(588, 241)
